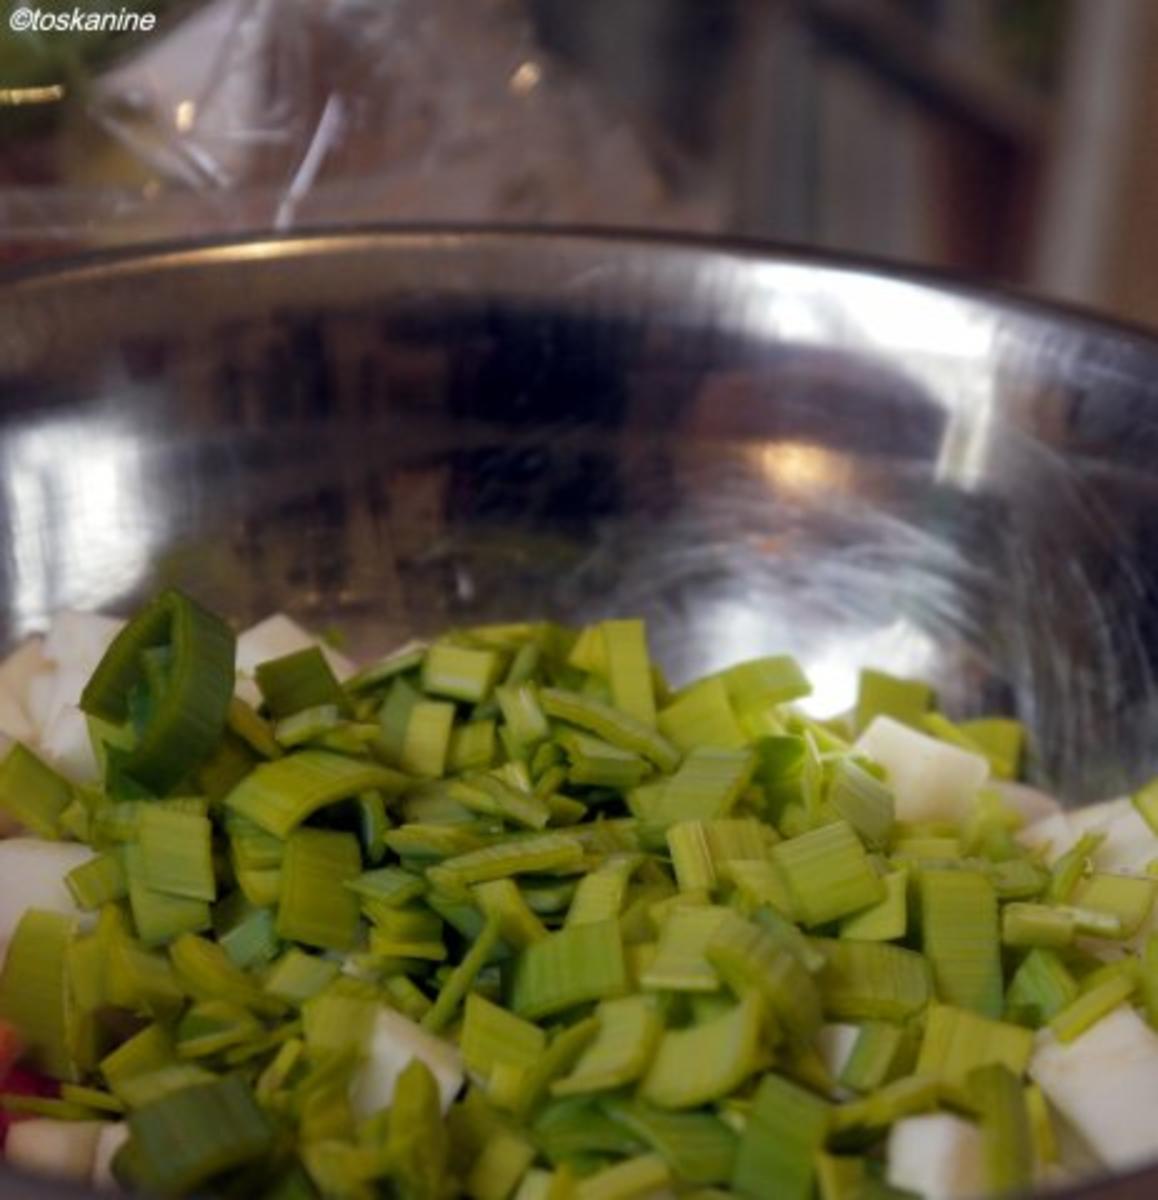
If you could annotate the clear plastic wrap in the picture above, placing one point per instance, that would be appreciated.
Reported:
(286, 114)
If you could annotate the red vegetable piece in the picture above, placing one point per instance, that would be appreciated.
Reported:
(21, 1081)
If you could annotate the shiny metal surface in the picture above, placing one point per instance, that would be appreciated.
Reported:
(390, 432)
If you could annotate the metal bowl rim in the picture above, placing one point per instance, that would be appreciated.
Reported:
(174, 255)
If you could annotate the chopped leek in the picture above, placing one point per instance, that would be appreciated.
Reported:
(783, 1135)
(707, 785)
(297, 976)
(426, 742)
(702, 1063)
(1036, 925)
(629, 669)
(297, 682)
(523, 714)
(505, 916)
(597, 763)
(881, 1052)
(828, 873)
(995, 1092)
(1002, 741)
(491, 1035)
(1040, 988)
(176, 853)
(629, 1031)
(702, 716)
(642, 1176)
(1129, 898)
(618, 728)
(576, 965)
(34, 993)
(308, 725)
(278, 796)
(160, 916)
(188, 717)
(872, 981)
(182, 1140)
(960, 937)
(1145, 800)
(1090, 1006)
(460, 673)
(600, 894)
(472, 746)
(886, 921)
(97, 882)
(957, 1042)
(1149, 979)
(691, 856)
(881, 694)
(497, 1171)
(749, 958)
(680, 963)
(764, 683)
(518, 924)
(316, 908)
(405, 658)
(460, 979)
(32, 793)
(207, 971)
(863, 801)
(549, 852)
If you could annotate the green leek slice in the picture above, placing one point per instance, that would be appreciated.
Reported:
(278, 796)
(702, 1063)
(189, 716)
(186, 1138)
(786, 1129)
(629, 1031)
(574, 966)
(828, 873)
(34, 991)
(316, 908)
(960, 938)
(32, 793)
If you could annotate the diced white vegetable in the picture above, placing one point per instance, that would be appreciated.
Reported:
(41, 699)
(1105, 1083)
(394, 1043)
(77, 641)
(1054, 835)
(1029, 803)
(1130, 843)
(931, 780)
(834, 1044)
(245, 688)
(67, 745)
(280, 635)
(112, 1137)
(1129, 846)
(938, 1156)
(65, 1149)
(33, 872)
(53, 692)
(14, 722)
(16, 674)
(19, 668)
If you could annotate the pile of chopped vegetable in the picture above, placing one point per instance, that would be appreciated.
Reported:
(508, 916)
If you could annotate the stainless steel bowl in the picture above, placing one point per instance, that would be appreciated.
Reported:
(393, 431)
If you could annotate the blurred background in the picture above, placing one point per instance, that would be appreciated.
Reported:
(1006, 139)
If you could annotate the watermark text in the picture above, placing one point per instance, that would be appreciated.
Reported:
(80, 20)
